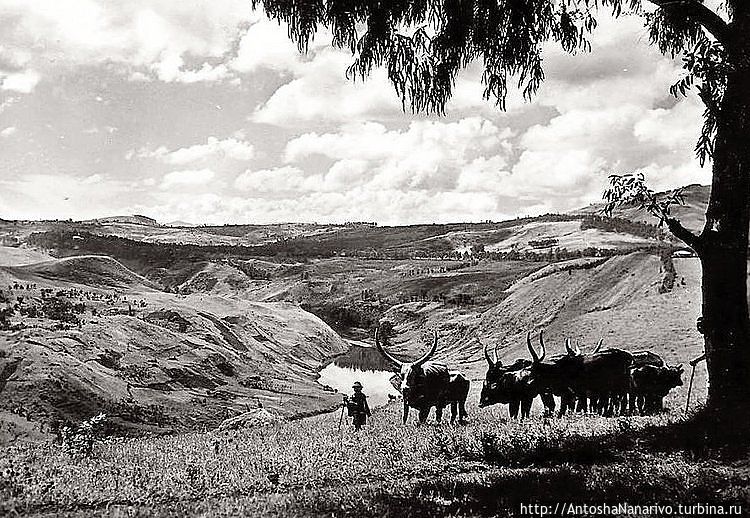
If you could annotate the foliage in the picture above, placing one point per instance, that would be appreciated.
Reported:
(423, 45)
(631, 189)
(79, 441)
(5, 314)
(57, 308)
(622, 225)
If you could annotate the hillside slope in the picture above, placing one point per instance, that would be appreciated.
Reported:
(150, 359)
(616, 298)
(691, 214)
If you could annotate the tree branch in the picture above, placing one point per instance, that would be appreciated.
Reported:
(698, 12)
(680, 232)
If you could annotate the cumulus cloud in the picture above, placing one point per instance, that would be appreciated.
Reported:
(7, 132)
(280, 179)
(137, 33)
(187, 178)
(427, 155)
(214, 148)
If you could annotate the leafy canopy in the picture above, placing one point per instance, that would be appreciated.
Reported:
(423, 44)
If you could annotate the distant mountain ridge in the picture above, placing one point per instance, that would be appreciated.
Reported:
(135, 219)
(691, 214)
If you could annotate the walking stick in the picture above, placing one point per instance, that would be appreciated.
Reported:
(694, 363)
(690, 388)
(341, 417)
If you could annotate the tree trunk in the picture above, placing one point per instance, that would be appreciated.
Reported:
(723, 250)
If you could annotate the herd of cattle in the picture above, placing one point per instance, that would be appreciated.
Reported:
(606, 381)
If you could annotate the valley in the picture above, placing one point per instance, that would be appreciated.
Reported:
(166, 331)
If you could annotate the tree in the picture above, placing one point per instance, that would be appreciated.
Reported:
(423, 44)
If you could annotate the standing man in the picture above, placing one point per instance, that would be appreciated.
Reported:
(357, 406)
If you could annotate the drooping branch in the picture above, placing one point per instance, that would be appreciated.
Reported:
(698, 12)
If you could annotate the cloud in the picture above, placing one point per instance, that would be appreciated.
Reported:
(187, 178)
(21, 82)
(138, 33)
(30, 196)
(427, 155)
(7, 132)
(214, 148)
(276, 180)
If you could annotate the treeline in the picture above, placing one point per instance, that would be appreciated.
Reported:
(623, 226)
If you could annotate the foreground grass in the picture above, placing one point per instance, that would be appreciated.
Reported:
(308, 468)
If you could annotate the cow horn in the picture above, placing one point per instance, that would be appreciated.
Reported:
(497, 360)
(487, 354)
(383, 351)
(429, 353)
(541, 342)
(598, 345)
(568, 348)
(531, 347)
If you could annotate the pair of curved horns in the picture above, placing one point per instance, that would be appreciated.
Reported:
(399, 363)
(487, 355)
(570, 350)
(534, 355)
(577, 350)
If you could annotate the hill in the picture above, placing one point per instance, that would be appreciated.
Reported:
(135, 219)
(691, 214)
(89, 335)
(88, 270)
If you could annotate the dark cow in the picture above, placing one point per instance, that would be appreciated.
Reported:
(602, 376)
(650, 384)
(552, 376)
(641, 358)
(511, 385)
(424, 384)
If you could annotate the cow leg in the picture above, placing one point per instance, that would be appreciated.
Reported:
(582, 404)
(454, 411)
(513, 408)
(566, 403)
(624, 403)
(438, 413)
(526, 407)
(549, 404)
(406, 412)
(423, 414)
(462, 413)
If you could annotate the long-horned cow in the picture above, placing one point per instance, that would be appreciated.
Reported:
(553, 375)
(603, 376)
(512, 385)
(424, 384)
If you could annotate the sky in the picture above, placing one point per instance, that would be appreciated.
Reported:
(205, 112)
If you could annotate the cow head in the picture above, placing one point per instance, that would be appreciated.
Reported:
(672, 376)
(408, 374)
(500, 382)
(489, 395)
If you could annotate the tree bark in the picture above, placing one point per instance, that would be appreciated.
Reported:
(723, 247)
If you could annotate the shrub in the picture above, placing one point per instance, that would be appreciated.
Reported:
(79, 441)
(56, 308)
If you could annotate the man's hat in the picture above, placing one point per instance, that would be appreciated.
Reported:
(357, 384)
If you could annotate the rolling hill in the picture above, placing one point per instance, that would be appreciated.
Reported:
(152, 360)
(169, 336)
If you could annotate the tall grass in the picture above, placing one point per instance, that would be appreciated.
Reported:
(297, 458)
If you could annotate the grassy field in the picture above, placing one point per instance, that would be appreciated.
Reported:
(309, 468)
